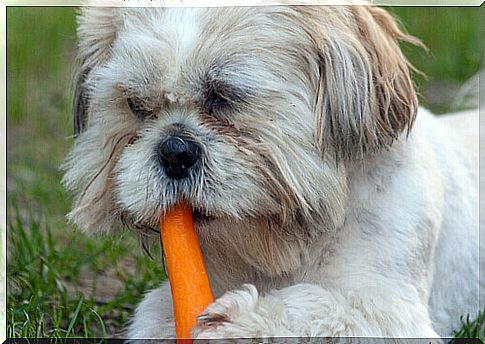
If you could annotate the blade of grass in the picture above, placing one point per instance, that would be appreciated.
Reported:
(101, 323)
(74, 318)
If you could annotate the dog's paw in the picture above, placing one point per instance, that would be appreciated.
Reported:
(234, 315)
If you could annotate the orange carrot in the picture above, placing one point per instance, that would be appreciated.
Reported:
(191, 291)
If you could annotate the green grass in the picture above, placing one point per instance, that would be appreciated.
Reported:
(452, 35)
(472, 328)
(53, 280)
(62, 283)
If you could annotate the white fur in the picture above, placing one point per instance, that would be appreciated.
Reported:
(327, 219)
(360, 291)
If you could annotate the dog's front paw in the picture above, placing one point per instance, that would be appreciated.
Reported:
(237, 314)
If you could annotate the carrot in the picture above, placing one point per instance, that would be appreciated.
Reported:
(191, 291)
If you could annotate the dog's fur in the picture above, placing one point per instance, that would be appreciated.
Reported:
(322, 207)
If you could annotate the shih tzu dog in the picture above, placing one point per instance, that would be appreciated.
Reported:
(326, 202)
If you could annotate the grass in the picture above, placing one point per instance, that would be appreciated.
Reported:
(472, 328)
(453, 49)
(452, 35)
(62, 283)
(53, 290)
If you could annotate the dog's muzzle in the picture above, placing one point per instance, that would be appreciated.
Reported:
(177, 155)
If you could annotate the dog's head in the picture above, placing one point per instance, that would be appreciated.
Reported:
(244, 113)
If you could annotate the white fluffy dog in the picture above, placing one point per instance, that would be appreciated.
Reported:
(326, 202)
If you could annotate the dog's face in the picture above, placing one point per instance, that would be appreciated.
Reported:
(244, 113)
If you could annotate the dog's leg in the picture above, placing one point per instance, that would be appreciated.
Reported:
(310, 310)
(154, 316)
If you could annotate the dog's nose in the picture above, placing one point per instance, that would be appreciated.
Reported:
(177, 155)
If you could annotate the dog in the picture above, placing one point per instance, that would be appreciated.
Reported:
(326, 201)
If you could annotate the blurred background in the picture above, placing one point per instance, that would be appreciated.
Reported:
(64, 284)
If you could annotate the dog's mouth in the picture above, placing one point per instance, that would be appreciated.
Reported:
(201, 217)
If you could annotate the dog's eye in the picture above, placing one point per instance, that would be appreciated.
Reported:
(216, 103)
(138, 108)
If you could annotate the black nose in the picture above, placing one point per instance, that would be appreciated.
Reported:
(177, 155)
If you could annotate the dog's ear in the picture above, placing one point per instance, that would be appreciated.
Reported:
(96, 32)
(365, 96)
